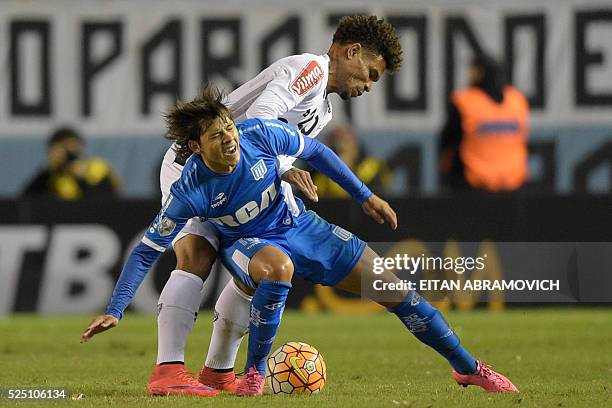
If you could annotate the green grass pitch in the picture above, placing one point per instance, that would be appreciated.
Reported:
(556, 357)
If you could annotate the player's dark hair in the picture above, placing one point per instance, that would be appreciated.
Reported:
(188, 120)
(373, 34)
(61, 134)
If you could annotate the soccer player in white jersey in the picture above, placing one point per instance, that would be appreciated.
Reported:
(294, 89)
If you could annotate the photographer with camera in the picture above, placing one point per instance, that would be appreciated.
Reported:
(69, 174)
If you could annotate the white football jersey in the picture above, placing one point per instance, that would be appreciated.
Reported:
(292, 89)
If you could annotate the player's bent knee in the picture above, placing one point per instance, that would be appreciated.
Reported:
(271, 263)
(282, 272)
(195, 254)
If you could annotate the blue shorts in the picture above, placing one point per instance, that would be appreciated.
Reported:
(321, 252)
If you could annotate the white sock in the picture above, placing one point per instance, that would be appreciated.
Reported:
(232, 312)
(178, 308)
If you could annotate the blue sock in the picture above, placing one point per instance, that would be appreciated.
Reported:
(266, 310)
(428, 325)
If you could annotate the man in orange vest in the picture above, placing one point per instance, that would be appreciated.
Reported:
(483, 145)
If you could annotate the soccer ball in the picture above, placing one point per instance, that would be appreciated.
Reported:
(296, 368)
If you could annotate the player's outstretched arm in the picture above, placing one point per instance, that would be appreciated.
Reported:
(98, 325)
(166, 225)
(284, 139)
(135, 269)
(380, 211)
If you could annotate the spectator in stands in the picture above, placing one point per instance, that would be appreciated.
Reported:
(69, 174)
(345, 143)
(483, 144)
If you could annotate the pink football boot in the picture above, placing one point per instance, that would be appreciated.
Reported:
(251, 384)
(486, 378)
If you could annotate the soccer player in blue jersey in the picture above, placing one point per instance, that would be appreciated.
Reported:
(232, 180)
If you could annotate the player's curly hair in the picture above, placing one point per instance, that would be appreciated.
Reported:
(188, 120)
(375, 35)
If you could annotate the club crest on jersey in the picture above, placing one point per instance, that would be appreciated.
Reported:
(308, 78)
(165, 226)
(259, 170)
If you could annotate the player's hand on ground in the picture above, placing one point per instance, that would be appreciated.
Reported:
(380, 210)
(302, 180)
(98, 325)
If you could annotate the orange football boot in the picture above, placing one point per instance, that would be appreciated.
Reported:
(173, 379)
(227, 381)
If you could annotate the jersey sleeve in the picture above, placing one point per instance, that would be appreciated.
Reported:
(278, 138)
(295, 79)
(175, 212)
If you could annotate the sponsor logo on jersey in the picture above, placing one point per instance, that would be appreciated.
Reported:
(259, 170)
(158, 225)
(248, 211)
(308, 78)
(167, 203)
(219, 200)
(165, 227)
